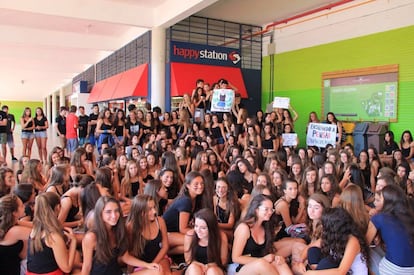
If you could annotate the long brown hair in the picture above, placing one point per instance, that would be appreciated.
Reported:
(45, 221)
(214, 238)
(103, 249)
(315, 232)
(353, 202)
(126, 181)
(251, 218)
(30, 172)
(137, 222)
(8, 205)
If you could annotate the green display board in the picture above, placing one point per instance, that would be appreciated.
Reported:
(362, 94)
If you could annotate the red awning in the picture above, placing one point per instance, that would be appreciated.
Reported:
(110, 87)
(96, 91)
(131, 83)
(134, 83)
(184, 77)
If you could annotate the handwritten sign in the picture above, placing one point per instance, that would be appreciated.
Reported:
(281, 102)
(222, 100)
(290, 139)
(320, 134)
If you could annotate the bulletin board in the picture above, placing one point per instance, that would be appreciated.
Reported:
(369, 94)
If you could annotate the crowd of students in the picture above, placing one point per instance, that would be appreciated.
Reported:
(203, 193)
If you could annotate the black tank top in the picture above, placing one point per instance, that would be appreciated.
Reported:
(152, 247)
(201, 254)
(106, 126)
(253, 249)
(110, 268)
(9, 258)
(222, 216)
(30, 124)
(74, 210)
(41, 261)
(134, 188)
(216, 132)
(119, 130)
(268, 143)
(405, 151)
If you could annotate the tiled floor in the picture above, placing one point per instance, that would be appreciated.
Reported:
(51, 142)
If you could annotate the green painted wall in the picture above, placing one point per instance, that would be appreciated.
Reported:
(297, 74)
(17, 107)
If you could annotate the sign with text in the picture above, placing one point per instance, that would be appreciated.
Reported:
(290, 139)
(222, 100)
(281, 102)
(320, 134)
(204, 54)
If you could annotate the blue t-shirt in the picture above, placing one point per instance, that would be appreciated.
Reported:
(399, 251)
(172, 215)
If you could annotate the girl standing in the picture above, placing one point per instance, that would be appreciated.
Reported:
(331, 119)
(105, 129)
(27, 124)
(120, 129)
(41, 125)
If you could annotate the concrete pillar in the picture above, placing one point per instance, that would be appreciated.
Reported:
(54, 108)
(48, 109)
(61, 97)
(158, 67)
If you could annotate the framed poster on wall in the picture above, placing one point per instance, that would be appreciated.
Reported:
(369, 94)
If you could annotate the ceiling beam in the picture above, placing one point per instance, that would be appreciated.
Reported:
(57, 39)
(174, 11)
(97, 10)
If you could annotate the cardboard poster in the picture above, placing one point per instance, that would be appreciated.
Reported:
(321, 134)
(290, 139)
(222, 100)
(281, 102)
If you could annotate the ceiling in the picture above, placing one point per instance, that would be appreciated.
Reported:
(45, 43)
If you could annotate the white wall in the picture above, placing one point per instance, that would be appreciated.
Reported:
(358, 18)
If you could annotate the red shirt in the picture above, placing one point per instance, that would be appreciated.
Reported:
(71, 126)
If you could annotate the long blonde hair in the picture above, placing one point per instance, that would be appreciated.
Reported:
(126, 181)
(353, 202)
(45, 221)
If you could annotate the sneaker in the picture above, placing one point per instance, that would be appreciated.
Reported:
(14, 158)
(176, 267)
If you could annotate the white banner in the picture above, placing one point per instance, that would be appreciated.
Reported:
(290, 139)
(281, 102)
(222, 100)
(320, 134)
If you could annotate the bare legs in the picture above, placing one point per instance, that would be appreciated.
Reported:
(176, 241)
(42, 149)
(27, 147)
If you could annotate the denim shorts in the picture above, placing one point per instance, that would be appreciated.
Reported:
(72, 144)
(10, 140)
(40, 134)
(3, 138)
(27, 135)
